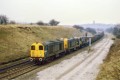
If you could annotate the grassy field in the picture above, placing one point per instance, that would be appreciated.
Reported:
(15, 40)
(110, 69)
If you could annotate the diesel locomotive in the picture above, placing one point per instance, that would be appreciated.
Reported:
(42, 52)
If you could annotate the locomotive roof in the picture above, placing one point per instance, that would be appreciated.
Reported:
(51, 42)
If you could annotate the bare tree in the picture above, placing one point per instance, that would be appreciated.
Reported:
(12, 22)
(3, 19)
(53, 22)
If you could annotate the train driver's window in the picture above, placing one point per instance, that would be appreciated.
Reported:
(40, 47)
(32, 47)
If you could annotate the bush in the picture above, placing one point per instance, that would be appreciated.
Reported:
(12, 22)
(116, 31)
(113, 38)
(118, 36)
(40, 23)
(78, 27)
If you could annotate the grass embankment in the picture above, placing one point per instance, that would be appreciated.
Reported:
(15, 40)
(110, 69)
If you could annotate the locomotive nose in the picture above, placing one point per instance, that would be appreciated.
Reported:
(37, 52)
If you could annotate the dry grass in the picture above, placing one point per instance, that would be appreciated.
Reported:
(15, 40)
(110, 69)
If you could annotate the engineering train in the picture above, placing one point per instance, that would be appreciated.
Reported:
(42, 52)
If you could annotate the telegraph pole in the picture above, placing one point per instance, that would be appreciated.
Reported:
(89, 40)
(89, 44)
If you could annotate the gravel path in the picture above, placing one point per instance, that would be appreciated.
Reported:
(84, 66)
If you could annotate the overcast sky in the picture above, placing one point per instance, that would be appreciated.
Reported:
(65, 11)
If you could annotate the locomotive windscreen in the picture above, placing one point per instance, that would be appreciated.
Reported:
(40, 47)
(32, 47)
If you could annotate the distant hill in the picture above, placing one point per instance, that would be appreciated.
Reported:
(98, 26)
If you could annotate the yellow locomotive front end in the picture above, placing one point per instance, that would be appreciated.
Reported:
(37, 52)
(65, 43)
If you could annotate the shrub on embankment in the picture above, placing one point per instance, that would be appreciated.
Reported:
(15, 40)
(116, 31)
(110, 69)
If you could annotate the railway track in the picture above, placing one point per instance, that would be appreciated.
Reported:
(85, 59)
(19, 68)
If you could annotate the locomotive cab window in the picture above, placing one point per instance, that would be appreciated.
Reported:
(40, 47)
(32, 47)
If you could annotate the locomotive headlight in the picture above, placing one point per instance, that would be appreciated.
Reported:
(40, 55)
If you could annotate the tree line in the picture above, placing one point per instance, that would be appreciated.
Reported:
(114, 30)
(52, 22)
(4, 20)
(91, 30)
